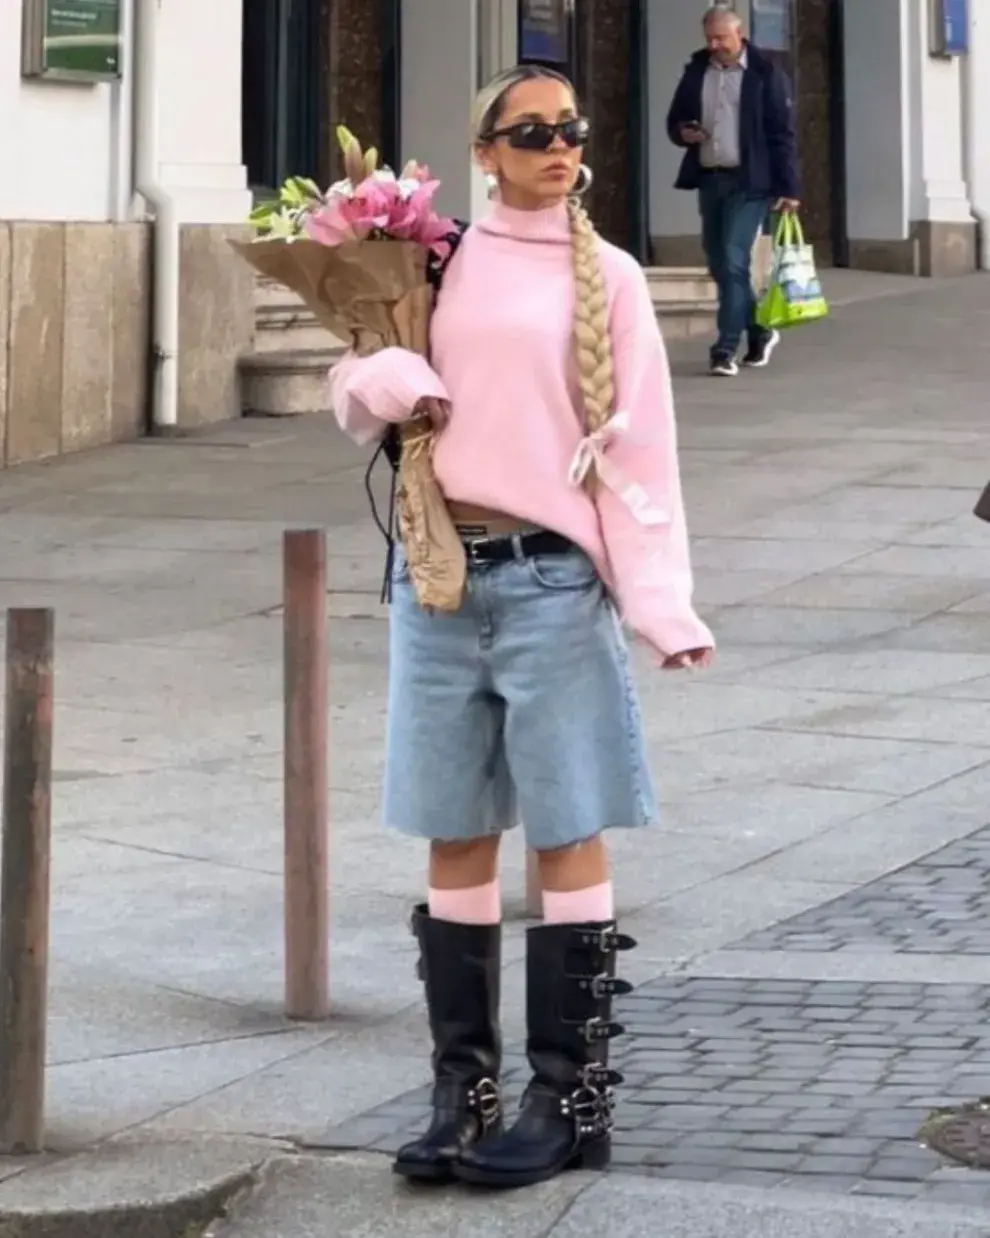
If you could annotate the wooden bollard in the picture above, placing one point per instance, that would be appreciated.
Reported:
(307, 862)
(25, 883)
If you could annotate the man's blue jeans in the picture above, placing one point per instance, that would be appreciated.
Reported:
(730, 223)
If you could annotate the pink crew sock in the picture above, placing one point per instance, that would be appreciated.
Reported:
(474, 905)
(593, 904)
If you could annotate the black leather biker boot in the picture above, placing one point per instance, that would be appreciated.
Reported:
(461, 967)
(565, 1120)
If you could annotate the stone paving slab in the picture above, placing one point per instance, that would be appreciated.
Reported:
(127, 1188)
(935, 906)
(356, 1195)
(818, 1085)
(838, 737)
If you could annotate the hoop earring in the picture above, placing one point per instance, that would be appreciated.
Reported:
(584, 181)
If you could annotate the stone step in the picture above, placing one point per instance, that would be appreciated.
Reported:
(284, 324)
(679, 284)
(284, 383)
(286, 373)
(287, 328)
(686, 320)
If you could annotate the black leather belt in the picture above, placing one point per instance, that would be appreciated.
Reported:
(503, 548)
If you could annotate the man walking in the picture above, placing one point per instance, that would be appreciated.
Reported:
(733, 113)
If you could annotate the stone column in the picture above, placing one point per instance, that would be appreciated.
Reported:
(908, 206)
(978, 116)
(812, 57)
(356, 48)
(942, 225)
(604, 39)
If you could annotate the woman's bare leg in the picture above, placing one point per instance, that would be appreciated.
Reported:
(577, 883)
(464, 881)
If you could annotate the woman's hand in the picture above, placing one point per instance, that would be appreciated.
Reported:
(689, 660)
(438, 412)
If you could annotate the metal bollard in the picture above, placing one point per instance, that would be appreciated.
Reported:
(25, 884)
(307, 866)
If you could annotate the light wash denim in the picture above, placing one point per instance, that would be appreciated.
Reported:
(731, 221)
(519, 706)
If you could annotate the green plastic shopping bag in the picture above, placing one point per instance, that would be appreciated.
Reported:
(794, 295)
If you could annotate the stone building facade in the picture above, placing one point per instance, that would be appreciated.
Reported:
(894, 135)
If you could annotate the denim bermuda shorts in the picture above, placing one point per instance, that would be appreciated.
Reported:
(518, 707)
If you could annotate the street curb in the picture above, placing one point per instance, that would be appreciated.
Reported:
(174, 1188)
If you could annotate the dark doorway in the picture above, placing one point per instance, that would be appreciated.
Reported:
(601, 46)
(284, 91)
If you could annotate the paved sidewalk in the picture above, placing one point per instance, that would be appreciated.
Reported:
(815, 958)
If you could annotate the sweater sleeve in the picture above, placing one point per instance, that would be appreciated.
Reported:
(640, 503)
(368, 394)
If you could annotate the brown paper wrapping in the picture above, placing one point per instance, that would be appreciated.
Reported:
(376, 294)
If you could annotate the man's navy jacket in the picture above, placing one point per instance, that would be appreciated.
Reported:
(767, 140)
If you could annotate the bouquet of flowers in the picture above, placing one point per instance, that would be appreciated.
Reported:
(358, 256)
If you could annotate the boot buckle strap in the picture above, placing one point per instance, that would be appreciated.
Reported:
(597, 1076)
(606, 941)
(485, 1100)
(596, 1029)
(590, 1108)
(604, 985)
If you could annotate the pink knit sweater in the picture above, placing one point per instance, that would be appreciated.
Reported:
(502, 354)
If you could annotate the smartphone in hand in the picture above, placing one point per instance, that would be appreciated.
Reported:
(694, 133)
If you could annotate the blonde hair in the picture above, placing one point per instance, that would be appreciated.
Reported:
(592, 341)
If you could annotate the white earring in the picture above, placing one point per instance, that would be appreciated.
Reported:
(491, 182)
(585, 179)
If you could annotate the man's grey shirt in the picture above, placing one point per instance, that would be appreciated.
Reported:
(721, 99)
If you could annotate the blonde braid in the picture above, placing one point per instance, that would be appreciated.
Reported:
(592, 341)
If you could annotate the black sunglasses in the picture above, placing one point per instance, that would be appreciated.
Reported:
(539, 135)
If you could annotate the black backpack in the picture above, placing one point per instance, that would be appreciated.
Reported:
(391, 445)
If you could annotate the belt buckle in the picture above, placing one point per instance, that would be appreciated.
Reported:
(473, 546)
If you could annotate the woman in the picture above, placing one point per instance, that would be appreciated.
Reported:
(521, 702)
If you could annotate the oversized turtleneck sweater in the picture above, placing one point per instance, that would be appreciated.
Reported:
(502, 354)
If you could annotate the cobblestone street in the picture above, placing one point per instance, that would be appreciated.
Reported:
(813, 973)
(818, 1084)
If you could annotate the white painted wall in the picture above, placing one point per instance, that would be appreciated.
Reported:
(674, 28)
(65, 150)
(976, 128)
(441, 67)
(878, 125)
(55, 139)
(938, 190)
(201, 109)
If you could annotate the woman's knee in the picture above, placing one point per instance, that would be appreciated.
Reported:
(575, 865)
(465, 862)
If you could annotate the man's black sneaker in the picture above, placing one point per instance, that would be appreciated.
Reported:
(760, 352)
(724, 366)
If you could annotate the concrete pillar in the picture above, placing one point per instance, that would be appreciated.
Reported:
(877, 134)
(976, 101)
(201, 110)
(674, 34)
(942, 225)
(442, 68)
(907, 203)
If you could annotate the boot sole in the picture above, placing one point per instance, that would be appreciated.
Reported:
(594, 1156)
(434, 1175)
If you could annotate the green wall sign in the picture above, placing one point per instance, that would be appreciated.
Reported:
(73, 40)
